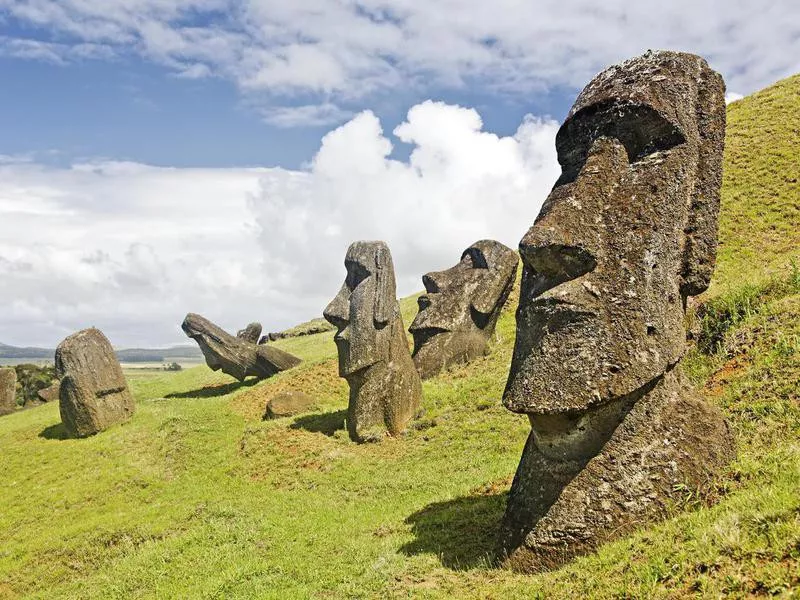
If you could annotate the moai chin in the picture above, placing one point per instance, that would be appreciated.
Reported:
(459, 311)
(627, 234)
(385, 389)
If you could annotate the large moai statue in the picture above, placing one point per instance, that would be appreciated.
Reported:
(385, 389)
(238, 356)
(8, 390)
(627, 234)
(458, 314)
(93, 394)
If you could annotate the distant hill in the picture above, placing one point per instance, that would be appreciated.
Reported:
(126, 355)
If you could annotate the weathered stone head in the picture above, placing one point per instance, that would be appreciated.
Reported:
(458, 314)
(238, 356)
(627, 234)
(93, 393)
(385, 390)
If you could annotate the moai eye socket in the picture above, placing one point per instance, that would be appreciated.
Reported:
(474, 258)
(640, 128)
(356, 273)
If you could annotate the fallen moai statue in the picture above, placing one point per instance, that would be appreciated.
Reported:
(628, 233)
(385, 389)
(458, 314)
(93, 394)
(8, 390)
(234, 355)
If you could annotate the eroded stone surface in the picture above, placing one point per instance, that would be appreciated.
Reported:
(93, 394)
(251, 333)
(48, 394)
(8, 390)
(627, 234)
(235, 355)
(458, 314)
(289, 404)
(385, 389)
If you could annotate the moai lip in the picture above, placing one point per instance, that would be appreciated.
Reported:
(627, 234)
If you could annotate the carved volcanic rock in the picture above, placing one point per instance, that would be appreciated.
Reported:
(8, 391)
(459, 313)
(234, 355)
(93, 393)
(627, 234)
(251, 333)
(48, 394)
(288, 404)
(385, 389)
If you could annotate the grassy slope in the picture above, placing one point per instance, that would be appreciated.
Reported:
(196, 497)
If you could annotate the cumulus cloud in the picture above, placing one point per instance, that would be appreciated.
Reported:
(131, 248)
(126, 247)
(342, 53)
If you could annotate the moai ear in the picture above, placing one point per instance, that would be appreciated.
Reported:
(700, 249)
(486, 299)
(499, 285)
(385, 286)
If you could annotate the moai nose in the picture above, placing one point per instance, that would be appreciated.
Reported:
(552, 262)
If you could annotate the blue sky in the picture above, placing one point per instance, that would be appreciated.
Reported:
(217, 156)
(88, 109)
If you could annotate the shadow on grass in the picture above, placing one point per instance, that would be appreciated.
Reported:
(328, 423)
(54, 432)
(461, 532)
(212, 391)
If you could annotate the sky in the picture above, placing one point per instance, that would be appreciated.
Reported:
(165, 156)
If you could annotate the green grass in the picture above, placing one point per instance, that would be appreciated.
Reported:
(196, 497)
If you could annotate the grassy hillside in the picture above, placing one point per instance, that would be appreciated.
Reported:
(197, 497)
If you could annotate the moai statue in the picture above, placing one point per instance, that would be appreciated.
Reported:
(385, 389)
(458, 314)
(627, 234)
(93, 394)
(236, 356)
(251, 333)
(8, 390)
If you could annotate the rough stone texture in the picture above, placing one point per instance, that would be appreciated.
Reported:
(288, 404)
(251, 333)
(385, 389)
(234, 355)
(8, 391)
(458, 314)
(627, 234)
(93, 393)
(48, 394)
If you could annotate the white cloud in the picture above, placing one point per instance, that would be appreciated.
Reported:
(309, 115)
(342, 53)
(732, 97)
(132, 248)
